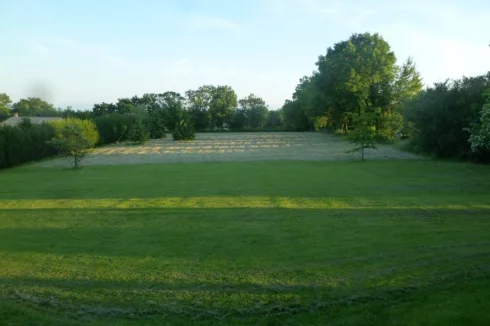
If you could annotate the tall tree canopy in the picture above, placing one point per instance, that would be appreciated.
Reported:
(354, 76)
(255, 111)
(173, 105)
(223, 101)
(199, 102)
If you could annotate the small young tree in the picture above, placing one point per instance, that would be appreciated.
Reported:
(74, 138)
(364, 135)
(184, 130)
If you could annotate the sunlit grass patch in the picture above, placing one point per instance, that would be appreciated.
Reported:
(227, 202)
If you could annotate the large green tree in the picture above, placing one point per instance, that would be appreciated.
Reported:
(5, 103)
(223, 101)
(173, 105)
(255, 111)
(294, 117)
(34, 107)
(199, 102)
(355, 76)
(156, 117)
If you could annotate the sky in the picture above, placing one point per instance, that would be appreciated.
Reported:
(80, 52)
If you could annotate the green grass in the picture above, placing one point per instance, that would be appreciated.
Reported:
(268, 243)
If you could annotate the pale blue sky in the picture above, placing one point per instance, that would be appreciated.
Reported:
(88, 51)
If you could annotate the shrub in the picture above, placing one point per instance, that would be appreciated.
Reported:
(74, 138)
(184, 130)
(138, 133)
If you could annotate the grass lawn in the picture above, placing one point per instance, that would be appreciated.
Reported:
(267, 243)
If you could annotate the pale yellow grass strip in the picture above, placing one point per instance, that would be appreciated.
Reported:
(219, 202)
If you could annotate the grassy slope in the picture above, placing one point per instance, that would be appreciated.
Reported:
(398, 243)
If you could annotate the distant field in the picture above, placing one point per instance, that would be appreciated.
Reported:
(216, 147)
(400, 242)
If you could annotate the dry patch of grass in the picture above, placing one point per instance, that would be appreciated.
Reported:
(216, 147)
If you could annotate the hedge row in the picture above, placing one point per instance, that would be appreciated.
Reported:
(25, 143)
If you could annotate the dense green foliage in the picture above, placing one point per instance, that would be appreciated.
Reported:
(252, 113)
(184, 130)
(74, 138)
(24, 143)
(255, 243)
(34, 107)
(199, 102)
(355, 76)
(480, 132)
(5, 103)
(138, 134)
(364, 134)
(69, 112)
(441, 116)
(114, 127)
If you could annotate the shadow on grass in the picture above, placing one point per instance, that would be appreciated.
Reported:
(214, 301)
(267, 233)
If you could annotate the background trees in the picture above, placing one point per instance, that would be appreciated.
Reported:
(355, 78)
(34, 107)
(441, 117)
(254, 110)
(5, 103)
(223, 101)
(172, 105)
(199, 102)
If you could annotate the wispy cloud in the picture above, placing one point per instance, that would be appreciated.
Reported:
(204, 21)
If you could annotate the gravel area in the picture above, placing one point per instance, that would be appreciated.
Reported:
(220, 147)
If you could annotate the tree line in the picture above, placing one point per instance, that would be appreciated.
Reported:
(208, 108)
(357, 89)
